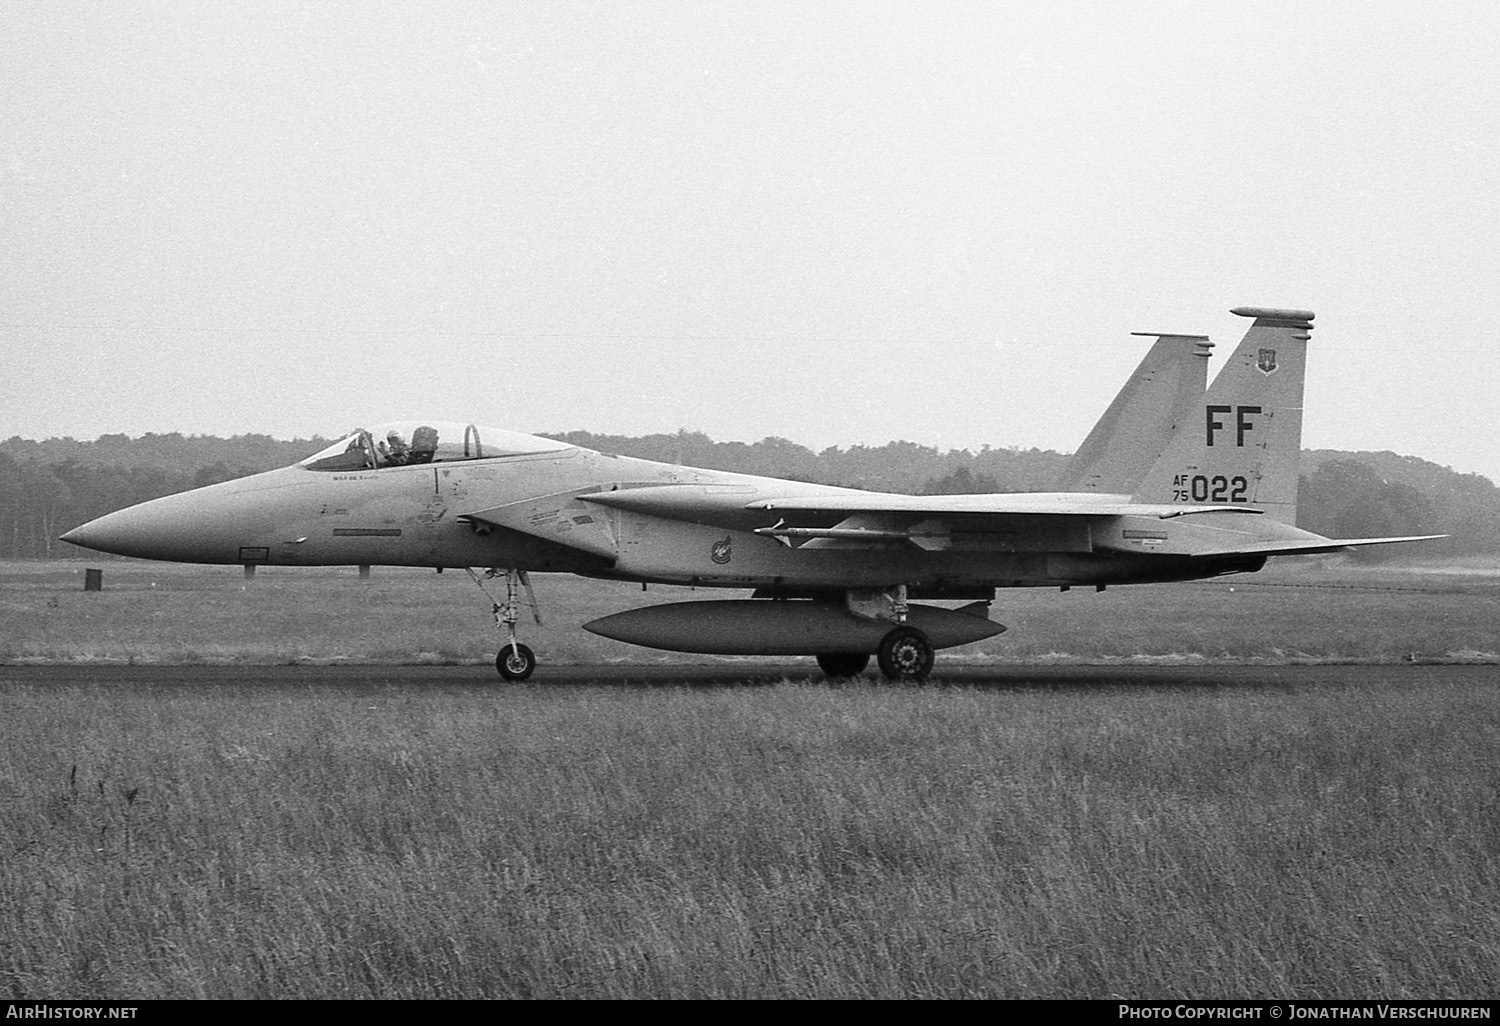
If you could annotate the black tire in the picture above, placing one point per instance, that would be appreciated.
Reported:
(843, 664)
(515, 663)
(905, 654)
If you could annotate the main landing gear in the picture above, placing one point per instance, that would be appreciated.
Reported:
(904, 654)
(515, 661)
(843, 664)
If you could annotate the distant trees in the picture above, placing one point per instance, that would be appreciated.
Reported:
(893, 467)
(1348, 499)
(49, 487)
(1381, 494)
(33, 501)
(962, 481)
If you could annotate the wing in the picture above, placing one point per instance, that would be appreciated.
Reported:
(1020, 522)
(818, 516)
(988, 505)
(733, 505)
(822, 517)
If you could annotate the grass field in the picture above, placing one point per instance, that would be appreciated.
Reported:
(793, 839)
(166, 613)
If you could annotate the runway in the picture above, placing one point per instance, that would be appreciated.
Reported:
(751, 674)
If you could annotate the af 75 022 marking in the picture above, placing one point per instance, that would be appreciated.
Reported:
(1202, 488)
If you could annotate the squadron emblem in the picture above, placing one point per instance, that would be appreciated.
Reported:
(1265, 361)
(720, 553)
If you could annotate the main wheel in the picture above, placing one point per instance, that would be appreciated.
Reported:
(843, 664)
(905, 654)
(515, 662)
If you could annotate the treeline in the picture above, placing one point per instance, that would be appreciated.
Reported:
(1382, 494)
(893, 467)
(48, 487)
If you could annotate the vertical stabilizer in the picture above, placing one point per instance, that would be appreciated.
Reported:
(1128, 439)
(1245, 446)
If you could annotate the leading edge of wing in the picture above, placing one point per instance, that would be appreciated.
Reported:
(1071, 504)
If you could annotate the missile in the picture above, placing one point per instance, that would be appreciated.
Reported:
(793, 627)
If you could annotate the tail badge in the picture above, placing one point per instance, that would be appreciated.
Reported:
(1265, 361)
(720, 553)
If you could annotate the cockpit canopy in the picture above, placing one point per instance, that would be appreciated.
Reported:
(406, 443)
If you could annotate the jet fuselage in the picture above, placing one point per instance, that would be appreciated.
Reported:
(566, 510)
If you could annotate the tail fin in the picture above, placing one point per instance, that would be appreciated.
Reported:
(1163, 391)
(1244, 448)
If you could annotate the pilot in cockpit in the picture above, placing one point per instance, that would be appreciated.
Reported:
(393, 451)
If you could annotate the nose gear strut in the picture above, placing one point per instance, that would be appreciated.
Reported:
(515, 661)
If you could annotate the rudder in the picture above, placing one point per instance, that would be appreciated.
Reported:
(1246, 445)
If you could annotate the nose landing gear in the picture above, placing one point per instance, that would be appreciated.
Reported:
(515, 661)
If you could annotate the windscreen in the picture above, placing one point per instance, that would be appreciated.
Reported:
(415, 442)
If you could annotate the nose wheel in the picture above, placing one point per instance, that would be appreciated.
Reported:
(515, 661)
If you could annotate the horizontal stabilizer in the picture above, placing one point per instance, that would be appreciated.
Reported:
(1354, 542)
(1312, 548)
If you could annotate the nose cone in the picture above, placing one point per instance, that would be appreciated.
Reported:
(160, 529)
(91, 536)
(206, 525)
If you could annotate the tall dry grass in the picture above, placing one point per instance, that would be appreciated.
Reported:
(785, 841)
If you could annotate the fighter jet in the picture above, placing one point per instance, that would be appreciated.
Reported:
(1175, 483)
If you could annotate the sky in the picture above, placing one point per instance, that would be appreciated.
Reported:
(836, 223)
